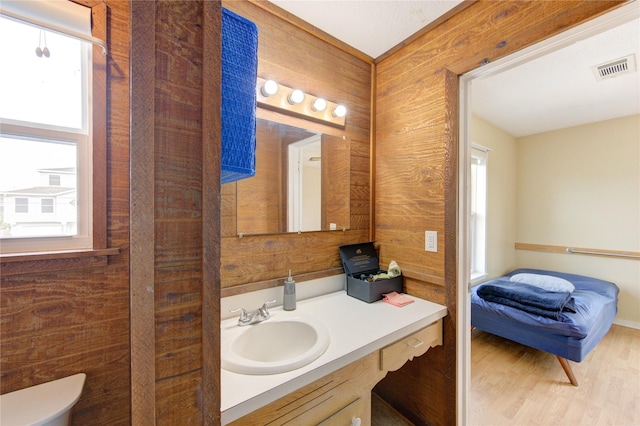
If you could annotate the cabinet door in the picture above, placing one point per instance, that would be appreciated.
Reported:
(358, 413)
(320, 400)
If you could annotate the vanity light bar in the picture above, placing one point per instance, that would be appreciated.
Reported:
(310, 106)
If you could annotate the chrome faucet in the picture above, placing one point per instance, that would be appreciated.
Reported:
(254, 317)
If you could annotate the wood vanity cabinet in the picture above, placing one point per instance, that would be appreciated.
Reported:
(397, 354)
(344, 395)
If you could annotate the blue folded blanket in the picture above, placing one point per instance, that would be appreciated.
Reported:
(549, 304)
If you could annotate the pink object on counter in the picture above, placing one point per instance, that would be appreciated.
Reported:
(396, 299)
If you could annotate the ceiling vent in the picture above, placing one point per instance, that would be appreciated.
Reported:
(615, 68)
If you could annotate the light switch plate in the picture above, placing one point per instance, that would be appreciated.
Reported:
(431, 241)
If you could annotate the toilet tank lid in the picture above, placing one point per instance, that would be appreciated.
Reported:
(38, 404)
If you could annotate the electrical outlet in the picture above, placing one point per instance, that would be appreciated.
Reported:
(431, 241)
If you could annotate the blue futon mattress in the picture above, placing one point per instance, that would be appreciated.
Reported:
(572, 336)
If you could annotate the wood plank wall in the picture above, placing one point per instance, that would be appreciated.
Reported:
(187, 212)
(298, 59)
(259, 199)
(142, 212)
(336, 178)
(60, 323)
(416, 166)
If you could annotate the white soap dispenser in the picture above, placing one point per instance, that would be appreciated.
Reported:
(289, 303)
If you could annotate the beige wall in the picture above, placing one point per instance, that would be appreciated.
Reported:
(501, 195)
(581, 187)
(573, 187)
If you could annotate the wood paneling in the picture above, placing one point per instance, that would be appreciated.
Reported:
(291, 55)
(265, 257)
(336, 185)
(54, 324)
(143, 372)
(211, 100)
(400, 388)
(153, 363)
(416, 164)
(259, 199)
(179, 214)
(99, 129)
(186, 255)
(20, 263)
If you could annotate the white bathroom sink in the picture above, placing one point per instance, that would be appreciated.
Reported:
(277, 345)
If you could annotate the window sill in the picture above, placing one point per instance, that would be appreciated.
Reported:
(33, 263)
(477, 277)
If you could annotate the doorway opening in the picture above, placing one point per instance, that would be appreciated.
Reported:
(596, 26)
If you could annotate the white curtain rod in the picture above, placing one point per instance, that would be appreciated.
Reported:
(481, 148)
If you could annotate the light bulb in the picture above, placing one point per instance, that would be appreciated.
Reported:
(296, 97)
(269, 88)
(319, 105)
(339, 111)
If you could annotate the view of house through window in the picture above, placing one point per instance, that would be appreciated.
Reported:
(33, 206)
(477, 223)
(45, 144)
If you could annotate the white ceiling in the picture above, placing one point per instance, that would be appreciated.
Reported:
(552, 92)
(372, 26)
(560, 89)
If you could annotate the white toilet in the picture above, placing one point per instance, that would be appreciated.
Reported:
(47, 404)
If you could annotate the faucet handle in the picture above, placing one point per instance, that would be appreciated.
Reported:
(263, 310)
(270, 302)
(243, 313)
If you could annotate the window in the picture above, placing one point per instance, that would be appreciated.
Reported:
(45, 125)
(46, 205)
(477, 222)
(46, 128)
(22, 205)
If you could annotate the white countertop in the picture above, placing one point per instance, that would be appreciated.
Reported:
(356, 329)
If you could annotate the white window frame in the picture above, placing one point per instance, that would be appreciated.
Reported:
(478, 193)
(84, 237)
(23, 263)
(82, 139)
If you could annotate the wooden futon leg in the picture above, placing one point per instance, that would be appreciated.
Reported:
(567, 369)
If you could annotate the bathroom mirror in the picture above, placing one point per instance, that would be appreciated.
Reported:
(301, 182)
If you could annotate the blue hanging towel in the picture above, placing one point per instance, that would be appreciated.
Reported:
(239, 74)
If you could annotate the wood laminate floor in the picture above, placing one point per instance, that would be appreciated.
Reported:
(515, 385)
(512, 384)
